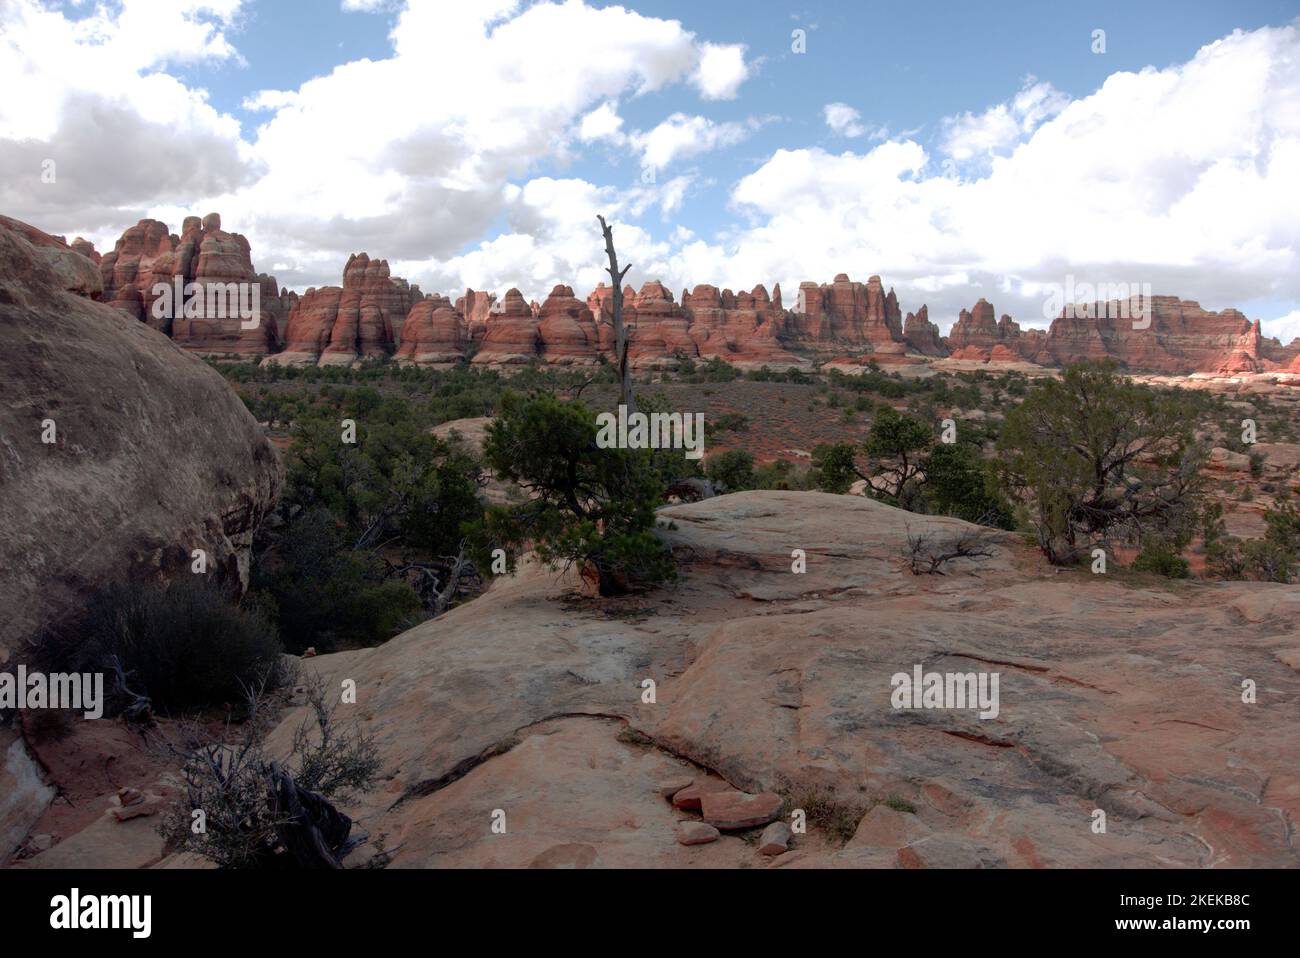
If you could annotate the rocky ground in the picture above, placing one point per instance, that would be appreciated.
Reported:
(526, 708)
(1116, 694)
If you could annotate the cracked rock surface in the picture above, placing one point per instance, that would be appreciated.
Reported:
(1117, 694)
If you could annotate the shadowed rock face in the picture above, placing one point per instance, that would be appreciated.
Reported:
(922, 335)
(1111, 697)
(153, 454)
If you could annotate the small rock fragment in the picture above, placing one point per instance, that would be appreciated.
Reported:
(696, 833)
(775, 839)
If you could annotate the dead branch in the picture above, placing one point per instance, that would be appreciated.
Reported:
(926, 553)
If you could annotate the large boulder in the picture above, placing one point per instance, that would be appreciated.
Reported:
(119, 452)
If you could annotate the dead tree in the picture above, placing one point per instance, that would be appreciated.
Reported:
(313, 832)
(620, 334)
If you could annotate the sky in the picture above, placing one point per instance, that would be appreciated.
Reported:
(957, 150)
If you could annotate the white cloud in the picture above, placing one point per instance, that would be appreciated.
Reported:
(1002, 127)
(602, 123)
(721, 71)
(553, 239)
(376, 154)
(1182, 177)
(681, 136)
(844, 119)
(92, 95)
(1285, 328)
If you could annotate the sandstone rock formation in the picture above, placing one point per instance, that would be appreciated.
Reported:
(1110, 697)
(102, 478)
(1162, 335)
(849, 313)
(922, 335)
(848, 322)
(475, 307)
(432, 334)
(87, 249)
(976, 335)
(745, 328)
(362, 319)
(66, 273)
(209, 257)
(510, 337)
(566, 330)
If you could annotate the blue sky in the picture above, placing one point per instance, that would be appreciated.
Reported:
(950, 171)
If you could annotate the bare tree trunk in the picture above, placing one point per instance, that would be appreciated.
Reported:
(620, 334)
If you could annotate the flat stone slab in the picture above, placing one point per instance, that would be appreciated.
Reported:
(734, 810)
(689, 797)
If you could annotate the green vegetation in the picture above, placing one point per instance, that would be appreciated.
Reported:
(183, 647)
(371, 529)
(913, 471)
(1098, 457)
(590, 506)
(731, 471)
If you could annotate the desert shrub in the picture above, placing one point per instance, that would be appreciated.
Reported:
(1098, 456)
(836, 465)
(732, 470)
(590, 506)
(894, 444)
(323, 594)
(358, 519)
(230, 777)
(669, 465)
(957, 483)
(927, 553)
(826, 812)
(185, 646)
(1162, 558)
(784, 475)
(396, 482)
(727, 422)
